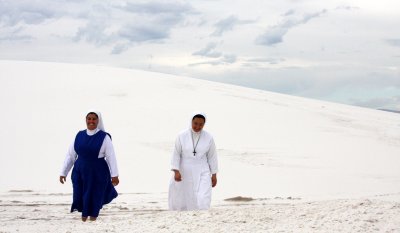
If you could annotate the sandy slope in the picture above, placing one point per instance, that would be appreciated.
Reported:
(269, 145)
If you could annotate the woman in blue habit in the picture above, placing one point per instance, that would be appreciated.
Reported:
(95, 171)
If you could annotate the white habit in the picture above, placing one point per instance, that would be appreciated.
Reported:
(194, 191)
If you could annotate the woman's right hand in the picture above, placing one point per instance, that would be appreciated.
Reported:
(177, 176)
(115, 180)
(62, 179)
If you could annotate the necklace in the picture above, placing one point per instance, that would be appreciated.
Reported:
(195, 146)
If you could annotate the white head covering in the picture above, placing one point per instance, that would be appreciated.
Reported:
(100, 124)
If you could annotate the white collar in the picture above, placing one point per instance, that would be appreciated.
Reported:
(195, 133)
(92, 132)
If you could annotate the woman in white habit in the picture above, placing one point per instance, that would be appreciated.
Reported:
(195, 166)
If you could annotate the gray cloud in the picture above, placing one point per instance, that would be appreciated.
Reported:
(349, 8)
(394, 42)
(289, 12)
(159, 13)
(124, 25)
(343, 71)
(223, 60)
(208, 51)
(229, 58)
(228, 24)
(390, 103)
(18, 16)
(16, 38)
(133, 34)
(140, 33)
(119, 48)
(36, 12)
(160, 7)
(15, 35)
(286, 80)
(13, 12)
(361, 86)
(271, 61)
(94, 32)
(121, 40)
(275, 34)
(137, 34)
(119, 24)
(225, 25)
(143, 22)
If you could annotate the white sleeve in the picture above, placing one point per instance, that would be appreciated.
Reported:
(176, 156)
(69, 160)
(212, 158)
(110, 156)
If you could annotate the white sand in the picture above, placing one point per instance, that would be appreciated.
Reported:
(38, 212)
(340, 164)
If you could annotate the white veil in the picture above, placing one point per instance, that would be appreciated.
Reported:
(100, 125)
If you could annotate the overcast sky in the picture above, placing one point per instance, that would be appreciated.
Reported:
(342, 51)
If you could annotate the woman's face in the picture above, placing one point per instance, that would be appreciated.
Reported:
(197, 124)
(92, 121)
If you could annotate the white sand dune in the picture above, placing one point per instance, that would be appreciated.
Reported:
(340, 165)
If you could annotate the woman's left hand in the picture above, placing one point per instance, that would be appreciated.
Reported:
(214, 180)
(62, 179)
(115, 181)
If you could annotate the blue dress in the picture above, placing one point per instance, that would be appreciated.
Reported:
(91, 179)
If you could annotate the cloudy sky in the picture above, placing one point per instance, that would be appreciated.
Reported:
(335, 50)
